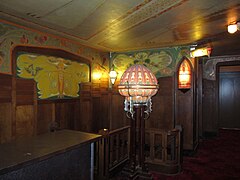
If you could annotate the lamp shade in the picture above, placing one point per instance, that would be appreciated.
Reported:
(113, 76)
(184, 75)
(206, 51)
(138, 84)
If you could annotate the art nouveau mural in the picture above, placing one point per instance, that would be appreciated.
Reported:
(14, 35)
(161, 62)
(56, 77)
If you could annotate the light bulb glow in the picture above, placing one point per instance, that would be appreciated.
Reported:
(97, 75)
(232, 28)
(206, 51)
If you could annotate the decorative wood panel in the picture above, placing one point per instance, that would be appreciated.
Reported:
(5, 108)
(6, 87)
(118, 116)
(5, 122)
(184, 117)
(45, 116)
(85, 120)
(104, 105)
(209, 107)
(25, 121)
(67, 113)
(100, 112)
(25, 91)
(163, 103)
(96, 114)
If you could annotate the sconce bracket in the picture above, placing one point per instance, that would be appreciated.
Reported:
(184, 90)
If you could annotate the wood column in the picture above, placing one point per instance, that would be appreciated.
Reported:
(132, 152)
(137, 169)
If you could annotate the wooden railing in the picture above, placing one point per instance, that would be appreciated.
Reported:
(112, 150)
(162, 150)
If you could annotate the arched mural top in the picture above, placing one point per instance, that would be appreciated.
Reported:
(209, 67)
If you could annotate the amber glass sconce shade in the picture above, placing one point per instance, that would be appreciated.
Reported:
(184, 75)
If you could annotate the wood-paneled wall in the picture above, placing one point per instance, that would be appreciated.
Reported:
(185, 111)
(96, 108)
(45, 116)
(25, 106)
(22, 114)
(118, 117)
(162, 116)
(6, 87)
(211, 97)
(209, 107)
(5, 108)
(185, 118)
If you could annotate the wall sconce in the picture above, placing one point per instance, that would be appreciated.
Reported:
(184, 75)
(97, 75)
(232, 28)
(113, 76)
(112, 73)
(206, 51)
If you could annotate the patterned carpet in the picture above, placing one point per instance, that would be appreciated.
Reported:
(217, 158)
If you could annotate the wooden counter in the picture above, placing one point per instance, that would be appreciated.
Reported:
(56, 155)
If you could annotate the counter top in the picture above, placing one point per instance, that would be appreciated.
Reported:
(24, 151)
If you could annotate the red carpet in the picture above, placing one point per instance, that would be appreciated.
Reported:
(217, 158)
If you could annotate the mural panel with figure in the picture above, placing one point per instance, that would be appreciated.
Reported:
(56, 77)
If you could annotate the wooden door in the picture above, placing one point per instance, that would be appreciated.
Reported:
(229, 99)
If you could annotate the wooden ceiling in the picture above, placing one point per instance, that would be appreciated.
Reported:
(124, 25)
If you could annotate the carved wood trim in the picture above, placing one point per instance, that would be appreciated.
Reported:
(210, 65)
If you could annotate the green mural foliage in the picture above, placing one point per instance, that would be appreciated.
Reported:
(161, 62)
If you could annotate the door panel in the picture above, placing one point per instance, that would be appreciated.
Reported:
(229, 100)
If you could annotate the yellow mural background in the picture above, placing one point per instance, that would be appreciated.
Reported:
(55, 76)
